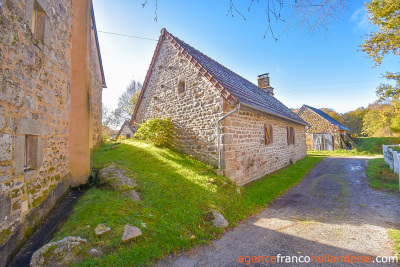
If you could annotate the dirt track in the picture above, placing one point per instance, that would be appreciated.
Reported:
(332, 211)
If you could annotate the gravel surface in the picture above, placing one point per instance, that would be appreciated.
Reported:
(331, 211)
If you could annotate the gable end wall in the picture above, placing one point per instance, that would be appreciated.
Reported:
(194, 113)
(319, 125)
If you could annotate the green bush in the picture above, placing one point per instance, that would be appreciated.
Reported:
(157, 131)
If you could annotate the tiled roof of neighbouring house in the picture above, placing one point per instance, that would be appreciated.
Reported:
(328, 118)
(233, 87)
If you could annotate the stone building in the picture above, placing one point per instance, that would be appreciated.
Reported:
(51, 81)
(126, 131)
(259, 137)
(324, 132)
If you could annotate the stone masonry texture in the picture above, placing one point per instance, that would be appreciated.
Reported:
(35, 80)
(195, 113)
(320, 125)
(246, 155)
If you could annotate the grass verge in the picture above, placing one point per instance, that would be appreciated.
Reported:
(177, 192)
(339, 153)
(380, 176)
(395, 236)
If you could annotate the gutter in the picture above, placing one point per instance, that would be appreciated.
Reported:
(218, 138)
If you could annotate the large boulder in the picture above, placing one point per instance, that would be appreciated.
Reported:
(119, 179)
(65, 252)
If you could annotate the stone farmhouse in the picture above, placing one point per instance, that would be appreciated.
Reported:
(126, 131)
(51, 81)
(324, 132)
(256, 133)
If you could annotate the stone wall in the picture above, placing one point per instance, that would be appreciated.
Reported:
(35, 86)
(246, 155)
(126, 132)
(96, 92)
(194, 112)
(319, 125)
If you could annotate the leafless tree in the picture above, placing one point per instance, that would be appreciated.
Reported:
(311, 15)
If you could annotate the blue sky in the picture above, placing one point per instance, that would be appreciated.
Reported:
(323, 69)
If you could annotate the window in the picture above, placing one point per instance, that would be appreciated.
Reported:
(290, 135)
(268, 134)
(181, 87)
(38, 21)
(128, 136)
(31, 152)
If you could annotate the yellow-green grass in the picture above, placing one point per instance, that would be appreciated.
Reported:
(380, 176)
(177, 192)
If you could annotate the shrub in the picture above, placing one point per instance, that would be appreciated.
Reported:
(157, 131)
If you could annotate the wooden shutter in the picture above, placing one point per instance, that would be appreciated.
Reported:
(292, 135)
(288, 135)
(268, 134)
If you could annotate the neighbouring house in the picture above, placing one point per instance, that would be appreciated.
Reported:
(51, 81)
(324, 132)
(126, 131)
(258, 134)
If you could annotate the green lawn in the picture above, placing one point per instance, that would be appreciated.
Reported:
(380, 176)
(374, 144)
(177, 192)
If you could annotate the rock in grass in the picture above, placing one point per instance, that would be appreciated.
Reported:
(95, 253)
(102, 229)
(117, 178)
(218, 219)
(130, 232)
(65, 252)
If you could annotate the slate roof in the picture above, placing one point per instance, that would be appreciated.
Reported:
(233, 87)
(327, 117)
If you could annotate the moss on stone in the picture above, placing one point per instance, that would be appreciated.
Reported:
(5, 234)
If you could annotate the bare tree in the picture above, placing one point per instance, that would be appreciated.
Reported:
(312, 15)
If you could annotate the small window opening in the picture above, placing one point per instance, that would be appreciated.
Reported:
(128, 136)
(290, 135)
(38, 21)
(31, 152)
(181, 87)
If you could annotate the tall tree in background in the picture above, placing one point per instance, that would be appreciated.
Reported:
(113, 119)
(385, 14)
(354, 121)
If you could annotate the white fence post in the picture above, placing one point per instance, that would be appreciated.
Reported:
(395, 162)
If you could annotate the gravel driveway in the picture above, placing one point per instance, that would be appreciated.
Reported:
(330, 212)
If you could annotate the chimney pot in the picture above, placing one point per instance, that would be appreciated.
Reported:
(263, 83)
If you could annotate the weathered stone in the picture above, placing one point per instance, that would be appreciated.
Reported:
(29, 126)
(5, 146)
(2, 119)
(65, 252)
(30, 102)
(218, 219)
(116, 178)
(130, 232)
(102, 229)
(95, 253)
(11, 92)
(5, 207)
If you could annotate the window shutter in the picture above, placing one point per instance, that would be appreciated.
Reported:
(292, 135)
(288, 135)
(267, 135)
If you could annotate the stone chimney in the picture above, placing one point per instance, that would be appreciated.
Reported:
(263, 83)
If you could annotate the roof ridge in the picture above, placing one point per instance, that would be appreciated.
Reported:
(213, 59)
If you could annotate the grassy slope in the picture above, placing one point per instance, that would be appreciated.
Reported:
(177, 192)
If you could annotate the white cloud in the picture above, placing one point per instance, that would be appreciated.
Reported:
(360, 18)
